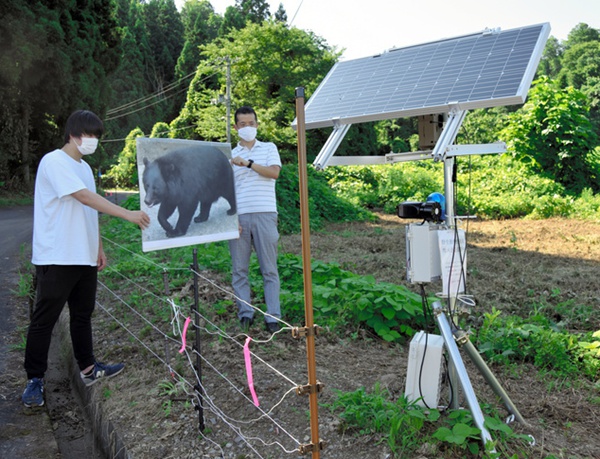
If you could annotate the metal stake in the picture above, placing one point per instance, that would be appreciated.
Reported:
(196, 314)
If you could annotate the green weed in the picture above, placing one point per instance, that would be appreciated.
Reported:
(20, 345)
(342, 299)
(406, 427)
(539, 341)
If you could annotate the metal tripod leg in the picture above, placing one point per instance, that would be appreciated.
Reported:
(463, 339)
(461, 371)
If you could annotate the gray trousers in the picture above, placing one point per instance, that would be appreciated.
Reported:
(259, 230)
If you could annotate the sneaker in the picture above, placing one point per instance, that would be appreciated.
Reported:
(101, 371)
(272, 327)
(246, 323)
(34, 393)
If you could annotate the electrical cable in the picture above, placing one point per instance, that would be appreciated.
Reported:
(425, 305)
(167, 88)
(109, 118)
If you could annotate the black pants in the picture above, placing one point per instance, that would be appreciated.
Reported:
(57, 285)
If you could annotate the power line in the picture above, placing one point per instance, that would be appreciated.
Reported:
(160, 132)
(296, 13)
(145, 106)
(167, 88)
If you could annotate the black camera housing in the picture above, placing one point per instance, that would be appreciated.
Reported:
(430, 211)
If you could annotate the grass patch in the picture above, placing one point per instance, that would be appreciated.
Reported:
(15, 198)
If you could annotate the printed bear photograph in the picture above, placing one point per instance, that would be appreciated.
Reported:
(187, 189)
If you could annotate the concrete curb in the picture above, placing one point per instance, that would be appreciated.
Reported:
(104, 430)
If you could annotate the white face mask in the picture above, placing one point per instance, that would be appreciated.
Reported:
(247, 133)
(88, 145)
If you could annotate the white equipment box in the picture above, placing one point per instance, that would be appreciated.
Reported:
(429, 347)
(422, 253)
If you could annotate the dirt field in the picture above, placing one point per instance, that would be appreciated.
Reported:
(512, 265)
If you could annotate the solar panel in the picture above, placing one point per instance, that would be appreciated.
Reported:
(485, 69)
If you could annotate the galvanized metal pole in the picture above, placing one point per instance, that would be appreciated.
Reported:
(463, 339)
(306, 265)
(461, 370)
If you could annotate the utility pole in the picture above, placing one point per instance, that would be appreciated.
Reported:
(228, 99)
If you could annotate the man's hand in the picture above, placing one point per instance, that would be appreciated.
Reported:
(139, 217)
(102, 261)
(239, 161)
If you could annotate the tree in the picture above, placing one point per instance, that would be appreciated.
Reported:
(280, 14)
(130, 81)
(201, 26)
(244, 11)
(269, 61)
(553, 135)
(581, 33)
(581, 67)
(165, 37)
(580, 63)
(56, 57)
(550, 64)
(124, 173)
(145, 86)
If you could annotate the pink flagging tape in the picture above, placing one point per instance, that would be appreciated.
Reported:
(249, 371)
(185, 327)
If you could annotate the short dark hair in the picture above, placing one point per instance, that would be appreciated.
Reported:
(244, 111)
(83, 122)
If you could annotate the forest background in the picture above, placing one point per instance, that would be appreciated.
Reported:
(150, 70)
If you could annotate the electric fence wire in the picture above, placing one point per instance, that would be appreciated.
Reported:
(226, 418)
(217, 411)
(221, 333)
(206, 279)
(181, 378)
(218, 331)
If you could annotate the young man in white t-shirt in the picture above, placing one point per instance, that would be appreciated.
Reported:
(67, 253)
(256, 167)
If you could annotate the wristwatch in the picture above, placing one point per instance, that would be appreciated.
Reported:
(250, 162)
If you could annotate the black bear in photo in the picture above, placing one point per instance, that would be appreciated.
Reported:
(183, 178)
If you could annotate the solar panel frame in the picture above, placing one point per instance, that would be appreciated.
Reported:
(480, 70)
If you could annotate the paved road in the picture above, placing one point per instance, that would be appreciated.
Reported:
(16, 226)
(21, 436)
(60, 429)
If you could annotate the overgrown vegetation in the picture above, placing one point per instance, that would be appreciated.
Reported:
(489, 186)
(132, 49)
(407, 428)
(346, 303)
(538, 340)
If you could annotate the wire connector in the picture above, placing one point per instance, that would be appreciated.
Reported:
(310, 447)
(303, 332)
(310, 389)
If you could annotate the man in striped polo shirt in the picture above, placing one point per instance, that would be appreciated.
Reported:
(256, 166)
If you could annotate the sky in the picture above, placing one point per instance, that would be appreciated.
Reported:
(368, 27)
